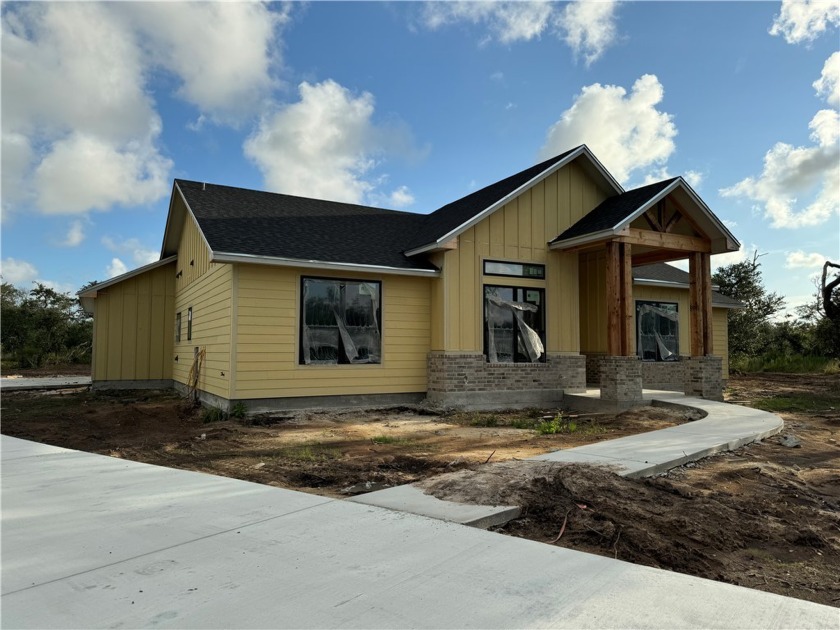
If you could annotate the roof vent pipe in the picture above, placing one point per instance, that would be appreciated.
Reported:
(203, 185)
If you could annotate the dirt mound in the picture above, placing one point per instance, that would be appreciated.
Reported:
(664, 523)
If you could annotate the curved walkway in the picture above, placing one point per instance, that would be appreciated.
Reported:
(725, 428)
(90, 541)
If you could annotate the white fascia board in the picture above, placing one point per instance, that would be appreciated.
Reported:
(583, 240)
(226, 257)
(91, 291)
(581, 150)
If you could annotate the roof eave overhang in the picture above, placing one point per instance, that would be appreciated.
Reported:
(581, 150)
(726, 242)
(276, 261)
(91, 292)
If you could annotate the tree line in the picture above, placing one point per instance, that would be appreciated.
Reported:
(42, 327)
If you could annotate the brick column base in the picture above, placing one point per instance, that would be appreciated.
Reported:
(621, 379)
(704, 377)
(466, 379)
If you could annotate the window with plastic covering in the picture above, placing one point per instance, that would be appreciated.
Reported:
(657, 331)
(340, 321)
(514, 324)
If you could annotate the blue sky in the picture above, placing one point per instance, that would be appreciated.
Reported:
(410, 106)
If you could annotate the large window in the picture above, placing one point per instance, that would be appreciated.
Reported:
(340, 321)
(657, 331)
(514, 324)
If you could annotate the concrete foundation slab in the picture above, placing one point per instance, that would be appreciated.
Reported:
(281, 559)
(47, 382)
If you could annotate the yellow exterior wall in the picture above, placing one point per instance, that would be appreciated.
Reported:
(132, 326)
(517, 232)
(267, 337)
(206, 287)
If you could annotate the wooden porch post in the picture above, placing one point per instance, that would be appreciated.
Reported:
(627, 332)
(699, 269)
(706, 270)
(613, 285)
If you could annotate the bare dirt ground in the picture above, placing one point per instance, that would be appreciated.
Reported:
(766, 516)
(329, 453)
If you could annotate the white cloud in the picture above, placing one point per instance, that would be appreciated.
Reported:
(401, 197)
(791, 173)
(625, 131)
(730, 258)
(325, 145)
(75, 235)
(694, 178)
(805, 20)
(82, 131)
(730, 224)
(799, 259)
(18, 272)
(506, 21)
(140, 255)
(589, 27)
(225, 62)
(828, 85)
(116, 268)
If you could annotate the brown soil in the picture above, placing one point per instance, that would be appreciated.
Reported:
(766, 516)
(330, 453)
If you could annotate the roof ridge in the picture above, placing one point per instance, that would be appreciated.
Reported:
(279, 194)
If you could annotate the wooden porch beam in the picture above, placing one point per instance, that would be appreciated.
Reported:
(661, 240)
(672, 222)
(662, 255)
(613, 299)
(652, 221)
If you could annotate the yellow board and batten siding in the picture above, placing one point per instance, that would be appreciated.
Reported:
(517, 232)
(132, 328)
(206, 287)
(267, 355)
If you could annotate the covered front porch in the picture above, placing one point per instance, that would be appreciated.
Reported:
(635, 336)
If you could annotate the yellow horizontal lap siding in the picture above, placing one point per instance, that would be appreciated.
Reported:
(268, 336)
(517, 232)
(132, 318)
(206, 287)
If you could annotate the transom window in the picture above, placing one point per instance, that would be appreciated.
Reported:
(340, 321)
(516, 270)
(657, 331)
(514, 324)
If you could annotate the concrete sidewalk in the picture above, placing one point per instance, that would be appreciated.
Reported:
(46, 382)
(95, 542)
(725, 427)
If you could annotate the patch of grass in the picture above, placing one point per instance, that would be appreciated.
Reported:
(309, 452)
(791, 364)
(390, 439)
(558, 424)
(239, 411)
(213, 414)
(797, 403)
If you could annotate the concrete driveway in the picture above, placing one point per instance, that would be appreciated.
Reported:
(95, 542)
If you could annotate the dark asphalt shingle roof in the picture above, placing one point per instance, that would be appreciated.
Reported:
(447, 218)
(614, 210)
(241, 221)
(661, 272)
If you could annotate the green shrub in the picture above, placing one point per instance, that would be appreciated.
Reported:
(789, 363)
(558, 424)
(239, 411)
(213, 414)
